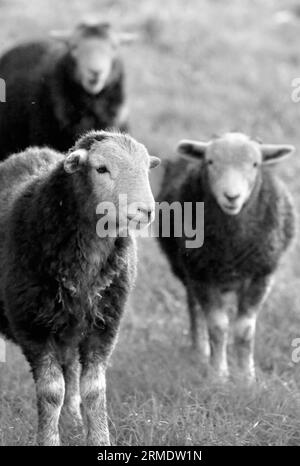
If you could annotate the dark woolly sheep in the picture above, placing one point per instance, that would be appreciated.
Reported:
(56, 90)
(63, 286)
(248, 224)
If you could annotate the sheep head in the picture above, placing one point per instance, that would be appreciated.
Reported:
(115, 169)
(93, 46)
(232, 166)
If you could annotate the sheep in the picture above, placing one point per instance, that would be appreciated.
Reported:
(58, 89)
(249, 222)
(64, 283)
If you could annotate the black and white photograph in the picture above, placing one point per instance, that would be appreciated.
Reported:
(149, 228)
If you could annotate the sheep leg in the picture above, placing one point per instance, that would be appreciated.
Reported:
(198, 327)
(93, 394)
(72, 399)
(251, 299)
(121, 121)
(244, 335)
(218, 324)
(50, 388)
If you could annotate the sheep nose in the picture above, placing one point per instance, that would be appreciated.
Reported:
(94, 77)
(94, 74)
(232, 198)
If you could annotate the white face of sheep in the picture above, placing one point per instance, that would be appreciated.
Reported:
(94, 47)
(117, 169)
(94, 59)
(232, 164)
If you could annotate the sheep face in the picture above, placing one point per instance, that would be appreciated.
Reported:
(94, 58)
(94, 47)
(232, 165)
(117, 170)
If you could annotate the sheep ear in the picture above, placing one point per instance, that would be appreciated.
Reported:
(75, 160)
(63, 36)
(154, 161)
(127, 38)
(273, 153)
(192, 149)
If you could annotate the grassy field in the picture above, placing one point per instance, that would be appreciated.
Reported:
(200, 67)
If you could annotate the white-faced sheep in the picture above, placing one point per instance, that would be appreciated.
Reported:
(248, 224)
(58, 89)
(63, 287)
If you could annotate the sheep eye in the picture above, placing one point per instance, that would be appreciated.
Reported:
(102, 170)
(210, 162)
(255, 164)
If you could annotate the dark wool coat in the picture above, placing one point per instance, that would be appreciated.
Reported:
(248, 245)
(46, 106)
(60, 284)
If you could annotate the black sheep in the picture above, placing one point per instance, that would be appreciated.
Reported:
(248, 224)
(63, 285)
(58, 89)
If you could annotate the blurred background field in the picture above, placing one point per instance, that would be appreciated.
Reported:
(199, 67)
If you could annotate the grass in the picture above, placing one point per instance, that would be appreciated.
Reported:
(200, 67)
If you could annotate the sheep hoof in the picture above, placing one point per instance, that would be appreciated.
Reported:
(96, 442)
(223, 377)
(245, 378)
(77, 419)
(73, 416)
(219, 375)
(248, 379)
(195, 354)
